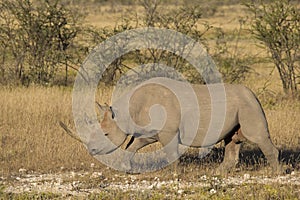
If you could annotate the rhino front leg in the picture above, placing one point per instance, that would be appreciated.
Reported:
(132, 147)
(170, 142)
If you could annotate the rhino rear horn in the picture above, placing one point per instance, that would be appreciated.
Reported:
(100, 106)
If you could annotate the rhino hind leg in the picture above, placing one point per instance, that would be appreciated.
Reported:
(263, 140)
(271, 153)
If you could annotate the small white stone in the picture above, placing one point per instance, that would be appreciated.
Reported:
(150, 187)
(292, 173)
(95, 175)
(74, 183)
(203, 177)
(22, 170)
(180, 191)
(158, 185)
(213, 191)
(34, 184)
(246, 176)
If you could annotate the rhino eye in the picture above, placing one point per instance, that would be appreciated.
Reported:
(106, 134)
(112, 112)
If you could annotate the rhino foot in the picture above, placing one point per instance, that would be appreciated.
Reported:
(126, 167)
(278, 170)
(222, 170)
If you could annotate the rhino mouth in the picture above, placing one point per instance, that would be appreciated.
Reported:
(111, 151)
(102, 151)
(96, 152)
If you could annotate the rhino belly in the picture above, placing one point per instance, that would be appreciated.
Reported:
(209, 133)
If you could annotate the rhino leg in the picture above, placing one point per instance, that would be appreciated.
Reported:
(170, 142)
(271, 153)
(133, 146)
(231, 157)
(264, 142)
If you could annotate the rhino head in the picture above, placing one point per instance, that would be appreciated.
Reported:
(110, 130)
(101, 143)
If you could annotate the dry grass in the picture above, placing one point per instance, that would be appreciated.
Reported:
(29, 131)
(31, 138)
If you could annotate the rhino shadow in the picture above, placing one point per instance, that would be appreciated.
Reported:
(249, 158)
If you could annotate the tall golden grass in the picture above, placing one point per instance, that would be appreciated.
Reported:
(32, 139)
(29, 131)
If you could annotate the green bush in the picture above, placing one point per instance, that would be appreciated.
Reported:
(276, 25)
(36, 39)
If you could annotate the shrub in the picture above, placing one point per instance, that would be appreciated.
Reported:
(277, 26)
(35, 39)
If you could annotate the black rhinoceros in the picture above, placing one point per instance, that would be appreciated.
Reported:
(217, 112)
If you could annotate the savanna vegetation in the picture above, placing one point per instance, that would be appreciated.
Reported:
(43, 43)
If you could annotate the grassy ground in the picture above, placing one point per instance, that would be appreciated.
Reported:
(31, 139)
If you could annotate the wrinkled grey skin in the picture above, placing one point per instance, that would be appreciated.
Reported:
(244, 119)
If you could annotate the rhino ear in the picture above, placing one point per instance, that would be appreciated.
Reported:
(102, 109)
